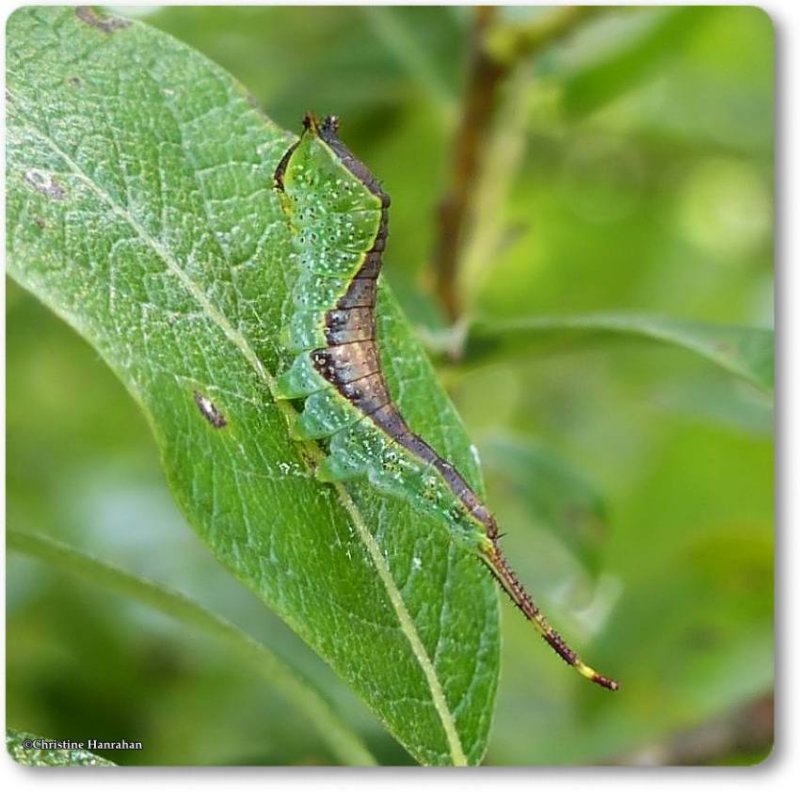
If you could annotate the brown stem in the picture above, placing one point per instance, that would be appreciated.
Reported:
(485, 75)
(510, 43)
(495, 51)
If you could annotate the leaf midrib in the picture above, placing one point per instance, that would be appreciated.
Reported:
(289, 413)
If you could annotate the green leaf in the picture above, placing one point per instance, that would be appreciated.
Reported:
(556, 495)
(391, 28)
(746, 352)
(654, 37)
(342, 742)
(21, 748)
(141, 210)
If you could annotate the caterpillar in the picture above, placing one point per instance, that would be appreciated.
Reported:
(339, 216)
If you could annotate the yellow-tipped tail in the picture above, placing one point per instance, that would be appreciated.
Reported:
(497, 563)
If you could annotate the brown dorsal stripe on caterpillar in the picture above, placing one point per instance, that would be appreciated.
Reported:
(339, 214)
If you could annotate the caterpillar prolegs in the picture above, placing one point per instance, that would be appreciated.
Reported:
(339, 215)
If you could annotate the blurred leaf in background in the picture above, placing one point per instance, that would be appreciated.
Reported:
(630, 173)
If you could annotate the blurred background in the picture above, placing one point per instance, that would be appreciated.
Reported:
(628, 168)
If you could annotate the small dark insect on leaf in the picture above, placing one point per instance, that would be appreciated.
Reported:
(107, 24)
(209, 410)
(45, 183)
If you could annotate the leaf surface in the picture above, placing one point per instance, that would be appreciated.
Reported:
(141, 210)
(334, 731)
(746, 352)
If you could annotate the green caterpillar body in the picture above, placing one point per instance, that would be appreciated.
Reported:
(339, 215)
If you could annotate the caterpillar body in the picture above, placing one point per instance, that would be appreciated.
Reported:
(340, 231)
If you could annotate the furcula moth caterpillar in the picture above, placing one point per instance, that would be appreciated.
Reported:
(339, 214)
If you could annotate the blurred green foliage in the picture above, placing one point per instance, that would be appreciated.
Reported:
(642, 181)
